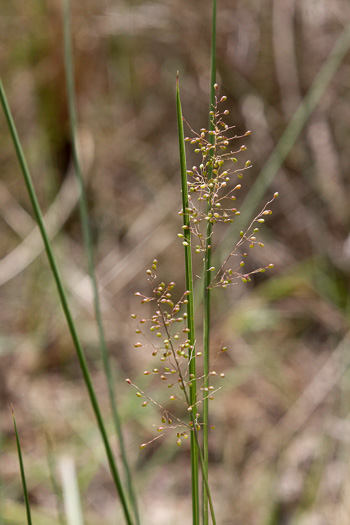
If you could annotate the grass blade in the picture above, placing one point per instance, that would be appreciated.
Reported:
(21, 466)
(84, 216)
(64, 303)
(190, 309)
(206, 485)
(206, 290)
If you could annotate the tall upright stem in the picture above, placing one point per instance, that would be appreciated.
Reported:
(190, 310)
(206, 282)
(65, 306)
(84, 215)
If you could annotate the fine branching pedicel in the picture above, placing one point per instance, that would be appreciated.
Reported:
(211, 195)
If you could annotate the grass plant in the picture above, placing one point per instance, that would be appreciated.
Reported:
(207, 194)
(207, 275)
(302, 312)
(190, 305)
(203, 182)
(65, 306)
(84, 216)
(206, 182)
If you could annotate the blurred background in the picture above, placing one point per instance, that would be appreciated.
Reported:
(280, 451)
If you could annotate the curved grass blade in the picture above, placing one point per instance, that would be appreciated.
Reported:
(64, 302)
(21, 466)
(84, 216)
(190, 309)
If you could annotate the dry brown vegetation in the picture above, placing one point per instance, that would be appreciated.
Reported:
(280, 449)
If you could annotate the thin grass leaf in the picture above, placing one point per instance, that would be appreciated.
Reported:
(206, 290)
(206, 483)
(84, 216)
(64, 303)
(190, 309)
(21, 466)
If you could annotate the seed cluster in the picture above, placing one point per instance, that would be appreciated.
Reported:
(210, 183)
(165, 333)
(212, 190)
(229, 274)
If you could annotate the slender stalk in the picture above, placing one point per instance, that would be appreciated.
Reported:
(205, 480)
(206, 283)
(21, 466)
(190, 309)
(84, 215)
(64, 302)
(194, 428)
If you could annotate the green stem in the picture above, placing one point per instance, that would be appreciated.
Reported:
(190, 309)
(21, 466)
(84, 215)
(205, 480)
(206, 282)
(64, 303)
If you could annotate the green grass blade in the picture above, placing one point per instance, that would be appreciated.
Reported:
(206, 483)
(213, 56)
(21, 466)
(206, 290)
(190, 309)
(64, 303)
(84, 215)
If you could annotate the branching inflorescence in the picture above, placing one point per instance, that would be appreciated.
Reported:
(211, 192)
(165, 333)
